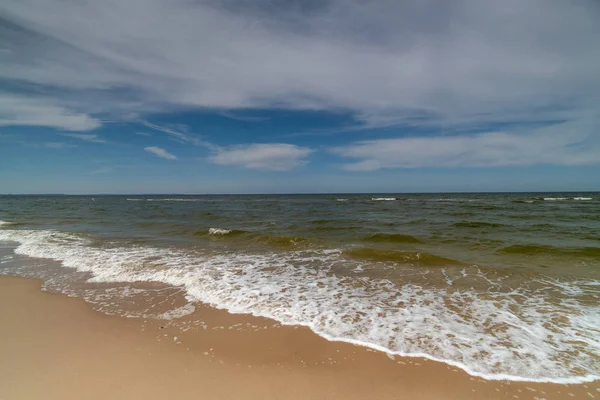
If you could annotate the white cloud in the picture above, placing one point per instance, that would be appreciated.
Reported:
(103, 170)
(159, 152)
(243, 118)
(36, 111)
(143, 134)
(178, 134)
(23, 140)
(390, 62)
(448, 65)
(560, 144)
(169, 131)
(58, 145)
(86, 137)
(263, 156)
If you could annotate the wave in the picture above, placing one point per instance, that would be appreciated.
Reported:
(8, 223)
(323, 221)
(384, 198)
(458, 200)
(391, 238)
(417, 258)
(220, 232)
(533, 249)
(523, 334)
(567, 198)
(341, 199)
(174, 199)
(324, 229)
(476, 224)
(255, 237)
(284, 241)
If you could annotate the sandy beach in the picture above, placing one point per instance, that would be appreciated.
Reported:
(56, 347)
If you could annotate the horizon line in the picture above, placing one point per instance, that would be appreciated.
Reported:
(290, 193)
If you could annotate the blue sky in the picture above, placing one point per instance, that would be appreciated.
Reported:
(282, 96)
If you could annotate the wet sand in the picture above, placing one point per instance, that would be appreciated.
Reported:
(56, 347)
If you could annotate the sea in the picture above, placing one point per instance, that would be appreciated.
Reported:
(503, 285)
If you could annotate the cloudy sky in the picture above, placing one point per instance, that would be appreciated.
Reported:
(226, 96)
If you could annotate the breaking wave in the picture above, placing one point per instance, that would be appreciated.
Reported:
(541, 329)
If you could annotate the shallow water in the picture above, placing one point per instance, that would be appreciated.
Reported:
(505, 286)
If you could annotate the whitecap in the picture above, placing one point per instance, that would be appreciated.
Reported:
(173, 199)
(218, 231)
(383, 198)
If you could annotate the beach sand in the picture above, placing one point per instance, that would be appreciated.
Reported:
(57, 347)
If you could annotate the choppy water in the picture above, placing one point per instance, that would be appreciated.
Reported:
(505, 286)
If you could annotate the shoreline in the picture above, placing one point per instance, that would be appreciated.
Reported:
(59, 346)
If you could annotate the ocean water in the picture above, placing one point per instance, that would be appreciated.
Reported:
(504, 286)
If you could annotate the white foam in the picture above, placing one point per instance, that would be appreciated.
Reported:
(173, 199)
(450, 199)
(383, 198)
(539, 333)
(179, 312)
(342, 199)
(555, 198)
(6, 223)
(582, 198)
(218, 231)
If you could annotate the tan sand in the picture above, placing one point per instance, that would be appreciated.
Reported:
(56, 347)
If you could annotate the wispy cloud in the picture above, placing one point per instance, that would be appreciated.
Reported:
(169, 131)
(59, 145)
(389, 62)
(265, 156)
(86, 137)
(243, 118)
(143, 134)
(38, 111)
(103, 170)
(23, 140)
(178, 134)
(159, 152)
(560, 144)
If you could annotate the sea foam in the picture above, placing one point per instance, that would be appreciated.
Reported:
(218, 231)
(540, 333)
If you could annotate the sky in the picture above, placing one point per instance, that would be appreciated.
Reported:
(299, 96)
